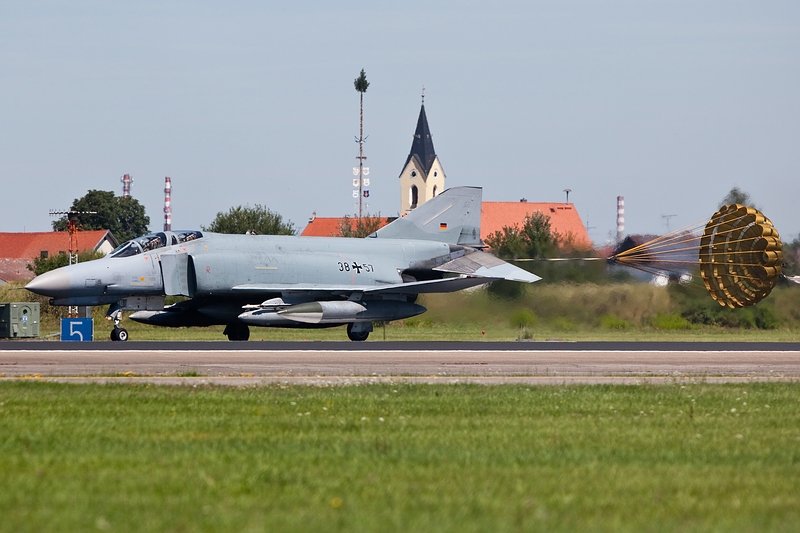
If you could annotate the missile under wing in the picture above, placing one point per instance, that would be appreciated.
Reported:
(287, 281)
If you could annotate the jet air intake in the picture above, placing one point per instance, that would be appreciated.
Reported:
(328, 312)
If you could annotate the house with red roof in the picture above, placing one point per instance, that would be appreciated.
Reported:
(18, 250)
(564, 221)
(330, 226)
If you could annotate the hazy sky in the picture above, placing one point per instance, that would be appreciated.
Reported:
(668, 103)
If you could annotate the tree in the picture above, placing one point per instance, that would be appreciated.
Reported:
(257, 219)
(124, 216)
(42, 265)
(364, 226)
(534, 239)
(737, 196)
(791, 257)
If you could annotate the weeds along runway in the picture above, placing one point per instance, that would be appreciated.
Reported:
(335, 363)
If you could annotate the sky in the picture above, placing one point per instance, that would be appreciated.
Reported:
(667, 103)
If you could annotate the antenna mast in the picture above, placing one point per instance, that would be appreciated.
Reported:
(73, 226)
(666, 220)
(361, 85)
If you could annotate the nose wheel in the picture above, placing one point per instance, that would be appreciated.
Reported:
(118, 333)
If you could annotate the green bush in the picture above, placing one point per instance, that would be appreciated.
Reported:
(765, 317)
(525, 334)
(564, 324)
(781, 307)
(509, 290)
(671, 321)
(522, 318)
(417, 322)
(613, 322)
(710, 313)
(745, 319)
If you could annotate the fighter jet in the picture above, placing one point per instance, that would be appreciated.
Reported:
(286, 281)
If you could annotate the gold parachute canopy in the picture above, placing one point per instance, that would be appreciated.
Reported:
(740, 256)
(738, 251)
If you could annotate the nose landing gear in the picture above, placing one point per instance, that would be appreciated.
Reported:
(115, 313)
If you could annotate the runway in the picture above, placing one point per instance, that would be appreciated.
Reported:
(339, 363)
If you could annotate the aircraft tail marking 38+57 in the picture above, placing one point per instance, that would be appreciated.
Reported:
(287, 281)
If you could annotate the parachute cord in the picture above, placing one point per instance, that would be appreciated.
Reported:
(646, 254)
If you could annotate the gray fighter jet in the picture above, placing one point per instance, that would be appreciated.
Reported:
(279, 281)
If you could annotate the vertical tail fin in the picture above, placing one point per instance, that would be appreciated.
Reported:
(453, 217)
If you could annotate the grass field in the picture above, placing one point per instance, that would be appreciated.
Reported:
(400, 458)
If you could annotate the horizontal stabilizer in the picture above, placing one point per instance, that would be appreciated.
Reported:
(484, 265)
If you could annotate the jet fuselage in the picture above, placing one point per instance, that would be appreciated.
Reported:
(218, 264)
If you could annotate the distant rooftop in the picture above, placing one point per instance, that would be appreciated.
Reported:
(329, 226)
(17, 250)
(28, 245)
(564, 220)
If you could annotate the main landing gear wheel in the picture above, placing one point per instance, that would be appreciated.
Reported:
(237, 332)
(119, 334)
(356, 333)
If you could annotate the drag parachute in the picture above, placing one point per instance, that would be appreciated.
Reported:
(738, 252)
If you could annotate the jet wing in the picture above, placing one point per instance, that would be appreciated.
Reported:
(475, 268)
(414, 287)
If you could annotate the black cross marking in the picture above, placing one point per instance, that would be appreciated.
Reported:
(357, 267)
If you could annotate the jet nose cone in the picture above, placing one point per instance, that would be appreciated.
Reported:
(54, 283)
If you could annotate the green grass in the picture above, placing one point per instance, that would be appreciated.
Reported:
(400, 458)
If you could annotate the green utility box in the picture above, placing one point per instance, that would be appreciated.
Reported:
(19, 319)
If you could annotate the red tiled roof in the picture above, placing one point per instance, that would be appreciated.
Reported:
(15, 270)
(30, 244)
(322, 227)
(564, 219)
(329, 226)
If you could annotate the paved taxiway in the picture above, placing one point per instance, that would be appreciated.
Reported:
(330, 363)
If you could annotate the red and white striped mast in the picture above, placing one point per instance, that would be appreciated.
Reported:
(126, 185)
(167, 206)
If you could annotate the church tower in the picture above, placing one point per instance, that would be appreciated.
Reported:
(422, 177)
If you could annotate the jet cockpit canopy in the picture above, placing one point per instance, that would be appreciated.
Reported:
(153, 241)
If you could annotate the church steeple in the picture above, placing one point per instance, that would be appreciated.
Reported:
(422, 177)
(422, 145)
